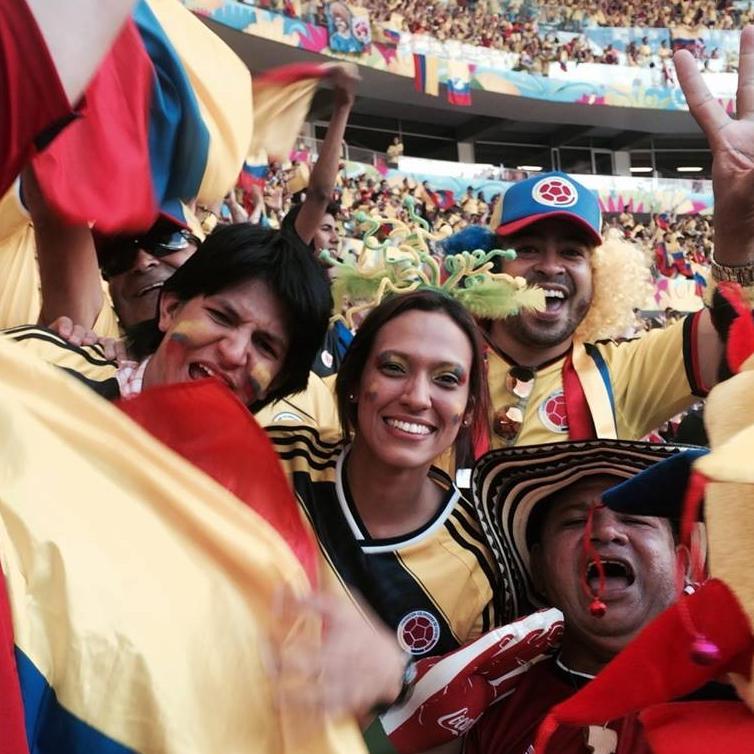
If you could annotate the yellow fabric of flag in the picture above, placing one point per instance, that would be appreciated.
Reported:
(222, 84)
(279, 113)
(432, 76)
(139, 587)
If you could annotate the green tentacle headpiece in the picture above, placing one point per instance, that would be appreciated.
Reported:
(403, 263)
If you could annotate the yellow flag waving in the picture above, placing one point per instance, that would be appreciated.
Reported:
(140, 589)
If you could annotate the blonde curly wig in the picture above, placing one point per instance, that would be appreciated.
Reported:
(622, 282)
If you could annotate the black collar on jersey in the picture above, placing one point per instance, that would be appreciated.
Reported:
(510, 360)
(360, 532)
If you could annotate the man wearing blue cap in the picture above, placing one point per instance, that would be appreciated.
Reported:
(552, 376)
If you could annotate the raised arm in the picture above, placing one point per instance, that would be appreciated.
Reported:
(731, 141)
(68, 270)
(345, 78)
(732, 144)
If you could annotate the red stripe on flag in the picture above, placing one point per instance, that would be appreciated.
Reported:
(289, 74)
(12, 723)
(206, 424)
(98, 168)
(32, 97)
(420, 72)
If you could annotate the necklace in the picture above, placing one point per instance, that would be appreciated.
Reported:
(576, 678)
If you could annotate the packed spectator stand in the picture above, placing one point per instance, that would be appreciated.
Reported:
(530, 32)
(674, 244)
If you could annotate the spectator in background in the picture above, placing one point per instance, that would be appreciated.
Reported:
(395, 152)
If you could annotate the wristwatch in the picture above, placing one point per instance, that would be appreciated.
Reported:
(408, 682)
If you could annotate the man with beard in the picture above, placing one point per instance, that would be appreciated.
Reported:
(552, 376)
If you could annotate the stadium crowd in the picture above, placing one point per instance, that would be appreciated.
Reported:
(529, 34)
(575, 14)
(673, 244)
(336, 464)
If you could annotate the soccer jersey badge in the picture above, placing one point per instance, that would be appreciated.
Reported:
(555, 191)
(552, 412)
(418, 632)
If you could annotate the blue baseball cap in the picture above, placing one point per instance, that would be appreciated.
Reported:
(550, 195)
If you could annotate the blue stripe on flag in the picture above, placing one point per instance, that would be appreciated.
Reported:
(51, 729)
(257, 171)
(178, 137)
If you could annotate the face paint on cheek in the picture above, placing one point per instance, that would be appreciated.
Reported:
(189, 333)
(458, 413)
(258, 383)
(370, 393)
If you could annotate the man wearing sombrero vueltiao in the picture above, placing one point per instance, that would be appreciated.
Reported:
(535, 504)
(540, 505)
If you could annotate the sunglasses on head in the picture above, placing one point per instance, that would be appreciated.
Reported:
(118, 255)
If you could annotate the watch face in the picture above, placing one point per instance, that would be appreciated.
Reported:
(409, 676)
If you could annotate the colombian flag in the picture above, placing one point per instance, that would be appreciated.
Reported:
(168, 117)
(391, 36)
(426, 77)
(140, 587)
(157, 123)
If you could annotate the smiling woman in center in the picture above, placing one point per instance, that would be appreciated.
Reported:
(395, 529)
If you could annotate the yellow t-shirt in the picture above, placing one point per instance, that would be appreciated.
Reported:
(107, 324)
(19, 279)
(87, 363)
(20, 299)
(20, 295)
(651, 378)
(315, 407)
(433, 586)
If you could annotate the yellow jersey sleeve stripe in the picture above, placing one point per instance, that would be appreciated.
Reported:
(93, 354)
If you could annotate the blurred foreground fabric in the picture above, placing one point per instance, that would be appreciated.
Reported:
(141, 592)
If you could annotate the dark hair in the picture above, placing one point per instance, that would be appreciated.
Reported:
(352, 368)
(238, 253)
(332, 208)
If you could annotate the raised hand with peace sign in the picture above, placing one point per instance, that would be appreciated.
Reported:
(732, 143)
